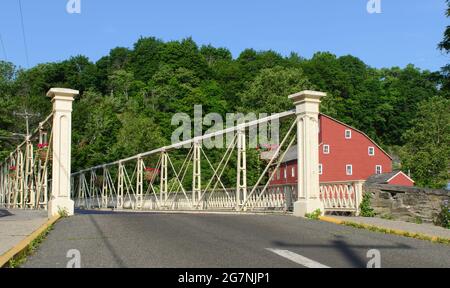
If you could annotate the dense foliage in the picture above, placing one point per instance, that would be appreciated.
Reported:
(443, 218)
(129, 96)
(427, 150)
(365, 207)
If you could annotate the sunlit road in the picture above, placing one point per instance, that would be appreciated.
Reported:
(228, 241)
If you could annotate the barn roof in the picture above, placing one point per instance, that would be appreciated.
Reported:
(386, 177)
(382, 178)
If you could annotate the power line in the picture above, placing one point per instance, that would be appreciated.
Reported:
(3, 47)
(23, 34)
(26, 115)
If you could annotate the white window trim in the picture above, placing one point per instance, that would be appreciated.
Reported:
(320, 169)
(346, 134)
(347, 167)
(324, 149)
(293, 172)
(370, 150)
(285, 173)
(381, 169)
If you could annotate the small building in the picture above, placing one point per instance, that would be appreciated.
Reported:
(396, 178)
(346, 154)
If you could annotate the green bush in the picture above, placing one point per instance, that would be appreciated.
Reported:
(365, 208)
(443, 218)
(315, 215)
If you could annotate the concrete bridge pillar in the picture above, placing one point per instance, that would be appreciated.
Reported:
(307, 108)
(62, 138)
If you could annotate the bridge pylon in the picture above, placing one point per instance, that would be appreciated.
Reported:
(307, 105)
(62, 137)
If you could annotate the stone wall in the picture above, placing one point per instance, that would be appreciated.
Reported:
(406, 203)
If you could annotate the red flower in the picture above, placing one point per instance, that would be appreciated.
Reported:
(42, 146)
(12, 168)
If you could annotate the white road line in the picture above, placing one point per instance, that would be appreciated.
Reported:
(299, 259)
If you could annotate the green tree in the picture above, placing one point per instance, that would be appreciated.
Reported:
(427, 151)
(268, 93)
(445, 44)
(129, 143)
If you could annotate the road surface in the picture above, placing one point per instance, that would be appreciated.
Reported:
(225, 241)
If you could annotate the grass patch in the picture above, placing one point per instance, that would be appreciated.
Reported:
(21, 257)
(315, 215)
(396, 232)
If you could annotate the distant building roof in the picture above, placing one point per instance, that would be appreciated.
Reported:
(291, 154)
(385, 178)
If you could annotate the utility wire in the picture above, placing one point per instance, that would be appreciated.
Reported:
(23, 34)
(3, 48)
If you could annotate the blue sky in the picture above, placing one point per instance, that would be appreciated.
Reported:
(407, 31)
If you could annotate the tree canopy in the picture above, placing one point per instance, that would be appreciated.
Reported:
(129, 96)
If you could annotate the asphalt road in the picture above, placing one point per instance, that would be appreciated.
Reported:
(225, 241)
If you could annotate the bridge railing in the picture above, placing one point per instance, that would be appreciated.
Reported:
(24, 174)
(158, 179)
(276, 198)
(342, 196)
(345, 196)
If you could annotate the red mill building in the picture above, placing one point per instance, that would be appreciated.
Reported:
(346, 154)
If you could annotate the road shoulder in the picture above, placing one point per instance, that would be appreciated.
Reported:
(405, 229)
(30, 230)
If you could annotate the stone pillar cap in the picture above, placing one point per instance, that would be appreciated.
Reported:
(307, 94)
(62, 92)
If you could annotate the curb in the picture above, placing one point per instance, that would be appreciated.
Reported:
(22, 245)
(385, 230)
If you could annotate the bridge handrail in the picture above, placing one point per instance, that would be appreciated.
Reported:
(24, 173)
(33, 135)
(279, 116)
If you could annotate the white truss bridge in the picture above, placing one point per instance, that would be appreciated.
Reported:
(175, 177)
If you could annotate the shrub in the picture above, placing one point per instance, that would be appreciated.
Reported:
(365, 208)
(443, 218)
(315, 215)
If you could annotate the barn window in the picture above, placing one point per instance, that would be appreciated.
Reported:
(371, 151)
(379, 170)
(348, 134)
(349, 170)
(293, 172)
(285, 173)
(326, 149)
(320, 169)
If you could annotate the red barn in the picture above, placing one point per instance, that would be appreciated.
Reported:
(346, 154)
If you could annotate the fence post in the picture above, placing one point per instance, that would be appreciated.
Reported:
(307, 109)
(62, 137)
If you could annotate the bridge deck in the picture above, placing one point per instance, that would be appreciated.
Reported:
(187, 240)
